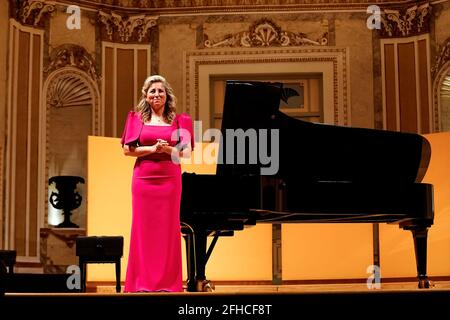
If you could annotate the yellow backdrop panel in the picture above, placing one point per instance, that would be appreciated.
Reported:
(326, 251)
(246, 256)
(397, 247)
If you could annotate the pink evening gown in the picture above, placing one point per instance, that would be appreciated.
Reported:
(154, 261)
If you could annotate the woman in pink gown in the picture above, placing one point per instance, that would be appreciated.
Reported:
(157, 137)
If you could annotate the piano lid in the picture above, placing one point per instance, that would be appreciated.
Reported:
(258, 139)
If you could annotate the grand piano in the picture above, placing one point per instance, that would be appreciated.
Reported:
(318, 173)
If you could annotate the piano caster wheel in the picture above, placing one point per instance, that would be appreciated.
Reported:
(205, 286)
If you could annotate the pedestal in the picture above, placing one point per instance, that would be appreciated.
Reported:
(58, 248)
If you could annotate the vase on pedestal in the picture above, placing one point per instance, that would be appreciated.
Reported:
(67, 198)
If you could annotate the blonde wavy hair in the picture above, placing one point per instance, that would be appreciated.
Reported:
(143, 107)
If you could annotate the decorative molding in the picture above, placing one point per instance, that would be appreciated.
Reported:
(71, 55)
(265, 33)
(439, 72)
(235, 5)
(407, 22)
(69, 92)
(339, 109)
(437, 107)
(57, 94)
(32, 12)
(215, 3)
(442, 57)
(132, 28)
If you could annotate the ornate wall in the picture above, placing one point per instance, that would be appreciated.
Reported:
(61, 84)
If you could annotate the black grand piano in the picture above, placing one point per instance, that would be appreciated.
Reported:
(317, 173)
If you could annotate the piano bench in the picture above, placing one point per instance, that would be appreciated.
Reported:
(103, 249)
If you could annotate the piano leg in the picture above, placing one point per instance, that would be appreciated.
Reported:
(198, 259)
(188, 236)
(200, 254)
(420, 234)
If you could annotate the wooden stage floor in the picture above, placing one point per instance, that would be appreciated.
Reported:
(246, 302)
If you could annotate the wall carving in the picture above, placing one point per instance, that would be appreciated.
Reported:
(265, 33)
(407, 22)
(69, 91)
(57, 93)
(32, 12)
(442, 57)
(129, 29)
(225, 3)
(74, 56)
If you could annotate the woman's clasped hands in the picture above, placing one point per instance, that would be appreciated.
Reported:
(159, 145)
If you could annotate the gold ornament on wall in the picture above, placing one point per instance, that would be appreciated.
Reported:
(405, 23)
(69, 91)
(441, 58)
(266, 33)
(132, 28)
(71, 55)
(32, 12)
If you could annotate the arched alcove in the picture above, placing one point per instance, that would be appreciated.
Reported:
(72, 109)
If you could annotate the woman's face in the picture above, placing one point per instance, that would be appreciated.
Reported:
(156, 96)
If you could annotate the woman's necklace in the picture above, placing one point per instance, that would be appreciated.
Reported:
(158, 119)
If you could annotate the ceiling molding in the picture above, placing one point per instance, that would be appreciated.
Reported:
(234, 6)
